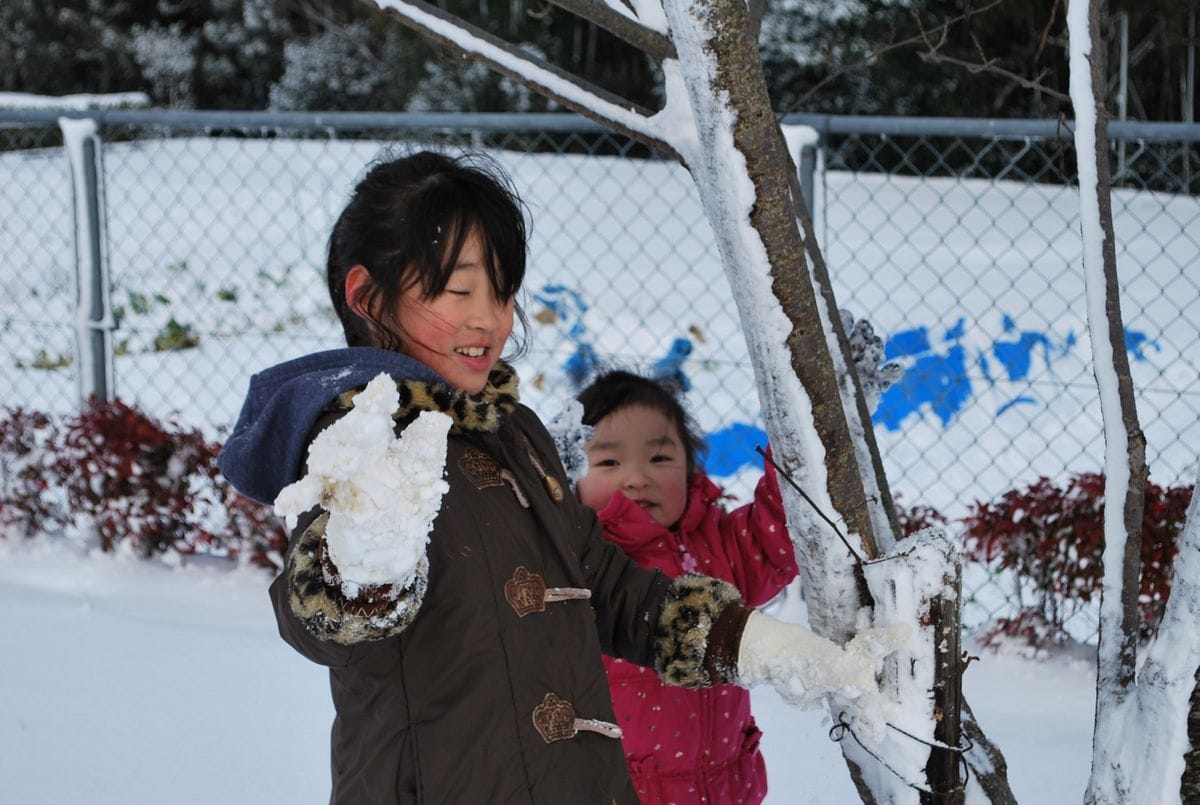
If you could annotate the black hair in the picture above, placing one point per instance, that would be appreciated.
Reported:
(406, 224)
(615, 390)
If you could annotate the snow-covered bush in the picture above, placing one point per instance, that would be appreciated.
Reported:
(134, 478)
(917, 518)
(129, 481)
(26, 503)
(1052, 538)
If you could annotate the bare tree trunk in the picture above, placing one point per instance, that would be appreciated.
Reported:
(986, 762)
(880, 506)
(1115, 776)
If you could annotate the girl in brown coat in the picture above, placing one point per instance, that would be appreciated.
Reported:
(477, 677)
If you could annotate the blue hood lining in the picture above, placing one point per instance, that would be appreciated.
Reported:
(266, 450)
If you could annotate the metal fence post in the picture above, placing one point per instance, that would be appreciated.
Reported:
(802, 141)
(808, 169)
(93, 295)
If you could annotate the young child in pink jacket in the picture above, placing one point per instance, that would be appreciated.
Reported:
(654, 502)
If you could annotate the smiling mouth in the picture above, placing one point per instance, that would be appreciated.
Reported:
(471, 352)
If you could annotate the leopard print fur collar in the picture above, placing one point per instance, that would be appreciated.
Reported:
(482, 412)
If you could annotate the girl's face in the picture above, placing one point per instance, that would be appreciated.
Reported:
(461, 332)
(638, 452)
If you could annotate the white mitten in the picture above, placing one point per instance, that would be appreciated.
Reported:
(805, 668)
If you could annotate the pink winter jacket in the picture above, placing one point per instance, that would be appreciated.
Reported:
(683, 745)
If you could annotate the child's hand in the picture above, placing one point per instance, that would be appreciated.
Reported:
(805, 668)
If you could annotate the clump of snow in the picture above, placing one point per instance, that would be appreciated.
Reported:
(866, 350)
(807, 669)
(382, 492)
(904, 584)
(570, 439)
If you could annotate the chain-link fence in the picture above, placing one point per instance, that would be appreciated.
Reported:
(163, 257)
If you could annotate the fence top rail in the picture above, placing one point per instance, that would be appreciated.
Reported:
(552, 121)
(348, 121)
(989, 127)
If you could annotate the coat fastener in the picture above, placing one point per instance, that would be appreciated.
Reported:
(527, 592)
(555, 720)
(553, 487)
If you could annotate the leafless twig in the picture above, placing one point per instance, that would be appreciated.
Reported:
(933, 55)
(941, 30)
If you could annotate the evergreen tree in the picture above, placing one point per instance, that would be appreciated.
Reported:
(324, 54)
(845, 53)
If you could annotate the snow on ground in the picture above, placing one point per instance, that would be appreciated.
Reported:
(131, 683)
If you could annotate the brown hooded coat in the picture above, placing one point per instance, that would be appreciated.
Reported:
(473, 697)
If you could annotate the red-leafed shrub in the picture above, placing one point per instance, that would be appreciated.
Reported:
(1053, 538)
(129, 479)
(26, 500)
(253, 532)
(135, 478)
(915, 518)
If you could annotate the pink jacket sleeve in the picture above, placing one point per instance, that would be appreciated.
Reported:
(756, 540)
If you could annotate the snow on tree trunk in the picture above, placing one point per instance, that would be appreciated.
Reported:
(918, 583)
(1145, 763)
(1189, 789)
(738, 163)
(1153, 750)
(1124, 461)
(1141, 717)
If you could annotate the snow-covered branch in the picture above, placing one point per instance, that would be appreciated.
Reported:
(615, 18)
(543, 77)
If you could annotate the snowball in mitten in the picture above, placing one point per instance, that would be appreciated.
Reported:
(382, 492)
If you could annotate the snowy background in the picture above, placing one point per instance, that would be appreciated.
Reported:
(127, 681)
(976, 285)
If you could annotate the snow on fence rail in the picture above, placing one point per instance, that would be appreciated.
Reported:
(958, 239)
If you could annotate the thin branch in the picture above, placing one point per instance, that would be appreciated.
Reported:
(621, 25)
(882, 508)
(591, 101)
(1045, 37)
(990, 67)
(873, 56)
(984, 65)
